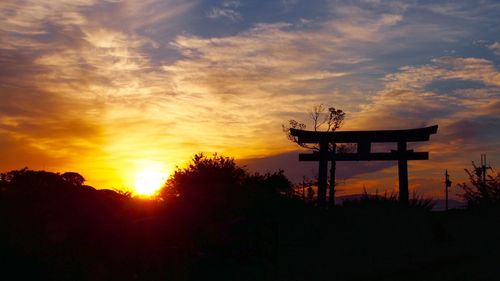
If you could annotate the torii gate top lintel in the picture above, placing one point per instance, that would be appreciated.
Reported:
(409, 135)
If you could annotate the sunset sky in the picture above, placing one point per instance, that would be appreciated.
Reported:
(115, 89)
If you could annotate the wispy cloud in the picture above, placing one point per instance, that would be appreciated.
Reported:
(495, 47)
(231, 3)
(464, 113)
(407, 98)
(357, 23)
(227, 10)
(230, 14)
(64, 68)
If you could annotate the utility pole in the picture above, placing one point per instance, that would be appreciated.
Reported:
(447, 185)
(483, 167)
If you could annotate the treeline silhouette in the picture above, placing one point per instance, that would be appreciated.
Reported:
(213, 220)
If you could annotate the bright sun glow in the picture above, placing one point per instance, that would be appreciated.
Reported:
(148, 182)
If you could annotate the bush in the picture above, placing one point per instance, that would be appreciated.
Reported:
(275, 182)
(205, 180)
(481, 192)
(218, 181)
(389, 201)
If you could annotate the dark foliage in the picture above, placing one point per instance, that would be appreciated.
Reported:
(481, 192)
(275, 182)
(217, 182)
(205, 179)
(54, 229)
(389, 201)
(73, 178)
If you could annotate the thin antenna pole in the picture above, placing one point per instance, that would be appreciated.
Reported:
(446, 188)
(447, 185)
(483, 167)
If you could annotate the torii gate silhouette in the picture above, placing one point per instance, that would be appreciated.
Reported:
(363, 139)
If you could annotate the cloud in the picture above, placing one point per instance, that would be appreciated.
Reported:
(248, 74)
(66, 66)
(246, 69)
(495, 48)
(469, 69)
(231, 3)
(227, 10)
(356, 23)
(227, 84)
(44, 130)
(230, 14)
(463, 10)
(467, 115)
(406, 99)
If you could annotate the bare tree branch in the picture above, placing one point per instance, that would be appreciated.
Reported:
(330, 121)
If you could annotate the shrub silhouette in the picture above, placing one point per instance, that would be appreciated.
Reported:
(218, 183)
(73, 178)
(481, 192)
(275, 182)
(53, 229)
(33, 183)
(389, 201)
(206, 179)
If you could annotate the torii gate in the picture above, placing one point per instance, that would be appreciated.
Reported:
(363, 139)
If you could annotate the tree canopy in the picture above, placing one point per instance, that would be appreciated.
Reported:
(218, 180)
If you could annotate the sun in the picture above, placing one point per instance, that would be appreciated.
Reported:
(148, 182)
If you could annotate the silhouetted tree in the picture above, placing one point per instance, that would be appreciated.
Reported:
(9, 176)
(275, 182)
(216, 182)
(25, 180)
(305, 190)
(205, 179)
(73, 178)
(481, 191)
(328, 121)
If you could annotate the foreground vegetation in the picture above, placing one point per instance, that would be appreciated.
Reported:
(215, 221)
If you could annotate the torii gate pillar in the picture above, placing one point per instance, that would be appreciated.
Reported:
(322, 173)
(403, 173)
